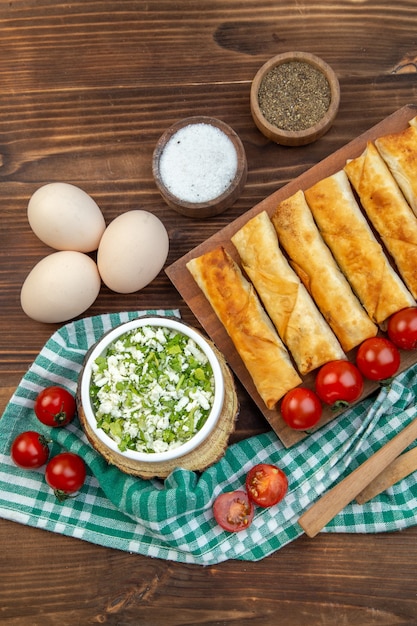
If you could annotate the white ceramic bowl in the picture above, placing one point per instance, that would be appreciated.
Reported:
(172, 453)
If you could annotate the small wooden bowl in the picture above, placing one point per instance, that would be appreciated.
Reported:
(214, 206)
(295, 137)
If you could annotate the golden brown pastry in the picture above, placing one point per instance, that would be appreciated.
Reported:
(237, 306)
(357, 252)
(316, 267)
(387, 210)
(300, 324)
(399, 151)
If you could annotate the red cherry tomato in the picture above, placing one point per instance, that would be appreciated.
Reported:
(266, 484)
(301, 408)
(402, 328)
(65, 474)
(55, 406)
(29, 450)
(378, 358)
(339, 383)
(233, 510)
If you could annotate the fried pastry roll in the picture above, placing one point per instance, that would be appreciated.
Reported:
(359, 255)
(293, 312)
(388, 211)
(312, 260)
(399, 151)
(239, 309)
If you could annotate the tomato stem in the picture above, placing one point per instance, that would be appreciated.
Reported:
(386, 382)
(61, 496)
(44, 440)
(61, 416)
(340, 404)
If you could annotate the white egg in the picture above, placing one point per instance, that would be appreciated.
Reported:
(60, 286)
(132, 251)
(66, 218)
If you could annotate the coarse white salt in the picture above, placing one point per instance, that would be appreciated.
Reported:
(198, 163)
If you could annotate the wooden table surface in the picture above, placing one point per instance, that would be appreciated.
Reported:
(87, 88)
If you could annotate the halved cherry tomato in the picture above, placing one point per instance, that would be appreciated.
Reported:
(233, 510)
(402, 328)
(55, 406)
(65, 474)
(378, 358)
(29, 450)
(266, 484)
(339, 383)
(301, 408)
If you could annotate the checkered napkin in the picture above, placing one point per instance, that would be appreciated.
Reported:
(173, 519)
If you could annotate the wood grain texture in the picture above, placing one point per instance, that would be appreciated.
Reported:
(87, 88)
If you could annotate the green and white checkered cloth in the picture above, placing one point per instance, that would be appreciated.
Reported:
(173, 519)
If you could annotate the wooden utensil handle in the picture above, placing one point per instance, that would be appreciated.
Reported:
(313, 520)
(401, 467)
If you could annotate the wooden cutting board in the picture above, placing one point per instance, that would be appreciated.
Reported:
(190, 292)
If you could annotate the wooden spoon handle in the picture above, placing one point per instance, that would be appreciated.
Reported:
(317, 516)
(402, 466)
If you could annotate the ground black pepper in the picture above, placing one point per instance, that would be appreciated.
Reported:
(294, 95)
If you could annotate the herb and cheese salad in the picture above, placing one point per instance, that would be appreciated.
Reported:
(152, 390)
